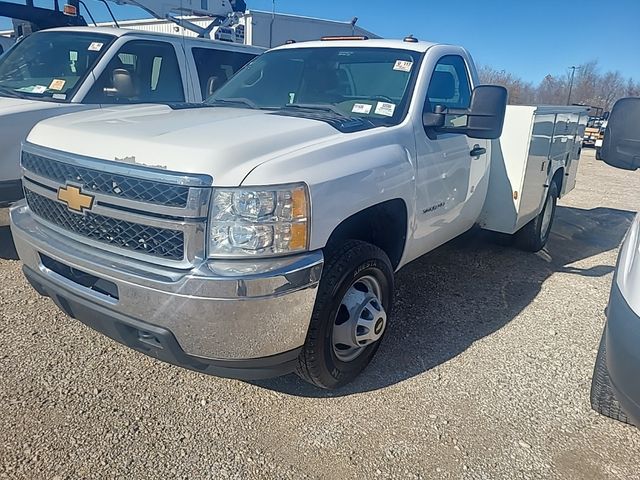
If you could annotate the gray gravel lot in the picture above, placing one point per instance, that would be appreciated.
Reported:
(485, 373)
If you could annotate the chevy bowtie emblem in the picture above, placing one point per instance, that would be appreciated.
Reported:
(75, 199)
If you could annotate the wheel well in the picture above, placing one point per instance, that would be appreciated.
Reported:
(383, 225)
(558, 179)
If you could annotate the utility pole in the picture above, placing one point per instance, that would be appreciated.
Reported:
(273, 20)
(573, 74)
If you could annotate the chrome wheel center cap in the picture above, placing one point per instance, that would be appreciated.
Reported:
(361, 319)
(371, 321)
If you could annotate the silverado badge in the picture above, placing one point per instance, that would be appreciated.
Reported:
(74, 198)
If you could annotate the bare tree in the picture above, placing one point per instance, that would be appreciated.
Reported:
(552, 91)
(632, 89)
(590, 87)
(520, 92)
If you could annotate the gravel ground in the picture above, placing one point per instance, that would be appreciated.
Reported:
(485, 373)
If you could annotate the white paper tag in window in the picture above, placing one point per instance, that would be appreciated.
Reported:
(95, 46)
(39, 89)
(385, 109)
(361, 108)
(57, 84)
(403, 66)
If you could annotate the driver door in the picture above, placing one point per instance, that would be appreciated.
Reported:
(448, 176)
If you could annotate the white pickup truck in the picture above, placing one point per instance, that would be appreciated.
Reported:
(259, 234)
(62, 70)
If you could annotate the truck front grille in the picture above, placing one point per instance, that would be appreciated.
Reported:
(121, 186)
(147, 214)
(159, 242)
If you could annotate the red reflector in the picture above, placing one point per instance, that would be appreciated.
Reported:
(70, 10)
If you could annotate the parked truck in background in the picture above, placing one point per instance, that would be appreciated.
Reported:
(57, 71)
(259, 233)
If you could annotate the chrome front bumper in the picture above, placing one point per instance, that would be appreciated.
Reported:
(228, 311)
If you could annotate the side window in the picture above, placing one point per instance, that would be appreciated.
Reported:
(449, 85)
(141, 72)
(216, 67)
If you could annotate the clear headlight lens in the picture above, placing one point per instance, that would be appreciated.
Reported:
(259, 222)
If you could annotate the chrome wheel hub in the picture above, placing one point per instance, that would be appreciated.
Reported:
(361, 319)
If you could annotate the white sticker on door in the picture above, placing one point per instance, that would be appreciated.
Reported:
(95, 46)
(361, 108)
(385, 109)
(403, 66)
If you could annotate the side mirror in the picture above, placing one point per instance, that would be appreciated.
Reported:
(483, 119)
(621, 143)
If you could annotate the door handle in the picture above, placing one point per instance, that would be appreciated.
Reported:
(477, 151)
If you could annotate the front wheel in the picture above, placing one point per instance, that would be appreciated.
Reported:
(535, 234)
(350, 316)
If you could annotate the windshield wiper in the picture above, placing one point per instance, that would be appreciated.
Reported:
(10, 92)
(234, 101)
(323, 107)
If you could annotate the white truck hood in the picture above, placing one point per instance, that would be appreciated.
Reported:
(17, 118)
(19, 105)
(226, 143)
(628, 268)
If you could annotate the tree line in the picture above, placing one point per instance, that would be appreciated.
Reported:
(591, 87)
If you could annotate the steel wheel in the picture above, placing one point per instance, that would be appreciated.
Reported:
(361, 319)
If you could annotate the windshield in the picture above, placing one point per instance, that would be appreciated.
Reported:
(371, 83)
(50, 65)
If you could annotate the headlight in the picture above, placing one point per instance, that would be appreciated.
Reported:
(259, 221)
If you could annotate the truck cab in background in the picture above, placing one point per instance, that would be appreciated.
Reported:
(63, 70)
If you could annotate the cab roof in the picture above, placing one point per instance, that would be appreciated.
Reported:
(414, 46)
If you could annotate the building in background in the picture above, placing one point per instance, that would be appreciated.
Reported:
(263, 29)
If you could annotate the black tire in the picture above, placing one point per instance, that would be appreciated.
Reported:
(318, 363)
(531, 237)
(603, 399)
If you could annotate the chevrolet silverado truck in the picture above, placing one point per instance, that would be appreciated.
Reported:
(63, 70)
(258, 234)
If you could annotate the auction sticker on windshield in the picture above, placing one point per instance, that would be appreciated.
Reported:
(361, 108)
(57, 84)
(33, 89)
(403, 66)
(385, 109)
(95, 46)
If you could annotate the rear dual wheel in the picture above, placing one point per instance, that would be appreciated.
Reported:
(350, 316)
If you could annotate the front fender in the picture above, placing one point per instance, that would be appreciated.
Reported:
(346, 178)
